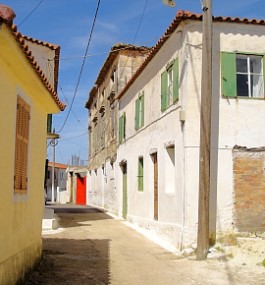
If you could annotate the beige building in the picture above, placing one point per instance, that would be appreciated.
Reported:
(120, 65)
(27, 97)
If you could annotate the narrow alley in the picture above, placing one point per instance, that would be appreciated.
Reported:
(91, 247)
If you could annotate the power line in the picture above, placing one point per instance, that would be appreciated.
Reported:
(32, 11)
(140, 22)
(72, 109)
(82, 67)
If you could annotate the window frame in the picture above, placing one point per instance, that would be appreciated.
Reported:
(229, 74)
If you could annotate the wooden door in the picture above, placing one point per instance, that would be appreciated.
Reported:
(155, 186)
(124, 188)
(81, 190)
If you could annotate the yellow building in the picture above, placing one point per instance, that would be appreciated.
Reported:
(27, 96)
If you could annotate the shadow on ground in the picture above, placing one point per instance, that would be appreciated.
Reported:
(68, 261)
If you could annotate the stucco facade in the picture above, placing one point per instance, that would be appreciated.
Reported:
(21, 211)
(120, 65)
(173, 134)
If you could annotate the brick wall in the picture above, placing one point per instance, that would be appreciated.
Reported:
(249, 188)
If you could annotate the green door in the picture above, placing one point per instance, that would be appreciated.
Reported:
(124, 186)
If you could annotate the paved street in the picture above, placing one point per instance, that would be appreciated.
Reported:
(91, 247)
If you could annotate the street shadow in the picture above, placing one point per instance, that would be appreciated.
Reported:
(76, 216)
(69, 220)
(69, 261)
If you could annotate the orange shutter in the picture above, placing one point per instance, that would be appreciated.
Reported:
(22, 141)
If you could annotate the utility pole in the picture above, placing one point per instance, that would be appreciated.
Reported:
(54, 142)
(205, 133)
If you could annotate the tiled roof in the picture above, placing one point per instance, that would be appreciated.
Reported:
(6, 16)
(108, 62)
(58, 165)
(182, 16)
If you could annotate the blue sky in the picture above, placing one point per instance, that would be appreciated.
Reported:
(68, 24)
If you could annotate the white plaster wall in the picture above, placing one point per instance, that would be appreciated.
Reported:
(235, 121)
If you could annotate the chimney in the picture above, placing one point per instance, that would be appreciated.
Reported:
(7, 15)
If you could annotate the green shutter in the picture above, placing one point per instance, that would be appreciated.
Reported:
(122, 127)
(140, 174)
(164, 91)
(49, 123)
(137, 110)
(142, 109)
(175, 81)
(229, 84)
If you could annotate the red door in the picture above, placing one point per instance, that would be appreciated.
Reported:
(81, 190)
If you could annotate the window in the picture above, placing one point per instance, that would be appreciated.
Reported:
(122, 127)
(139, 112)
(170, 85)
(242, 75)
(170, 169)
(21, 147)
(140, 174)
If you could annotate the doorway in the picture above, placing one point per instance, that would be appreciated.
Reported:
(154, 157)
(124, 191)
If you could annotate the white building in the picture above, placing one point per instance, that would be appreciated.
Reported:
(156, 172)
(157, 179)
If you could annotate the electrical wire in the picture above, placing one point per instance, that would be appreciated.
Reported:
(82, 68)
(32, 11)
(78, 121)
(140, 22)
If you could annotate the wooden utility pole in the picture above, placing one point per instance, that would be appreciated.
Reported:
(205, 133)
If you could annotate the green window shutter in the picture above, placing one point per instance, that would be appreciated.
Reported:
(120, 129)
(140, 174)
(122, 120)
(229, 84)
(137, 110)
(164, 91)
(123, 125)
(142, 109)
(175, 81)
(49, 123)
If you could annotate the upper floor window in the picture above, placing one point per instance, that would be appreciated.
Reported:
(139, 112)
(242, 75)
(21, 147)
(170, 85)
(122, 127)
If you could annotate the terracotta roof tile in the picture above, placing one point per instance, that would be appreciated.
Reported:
(181, 16)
